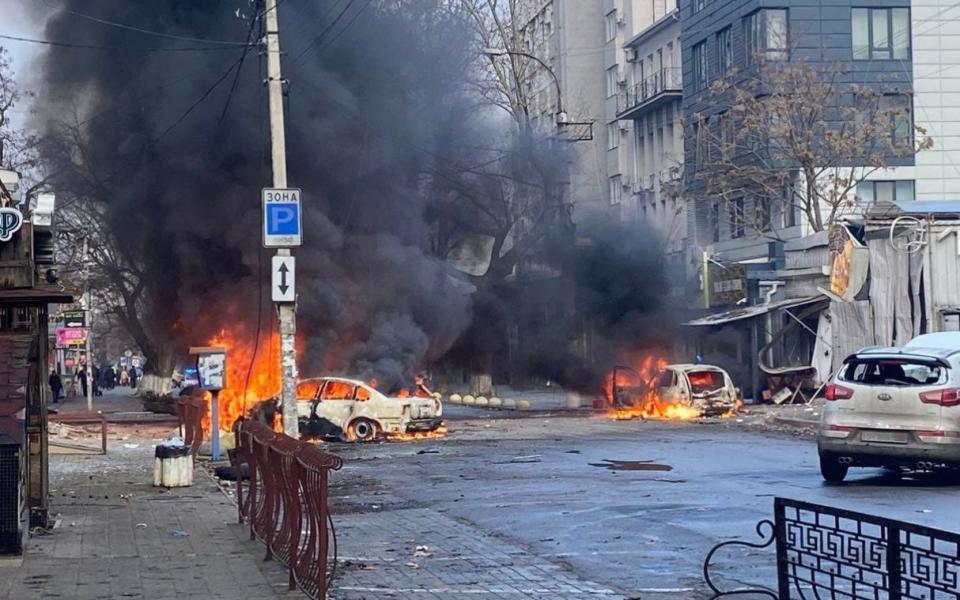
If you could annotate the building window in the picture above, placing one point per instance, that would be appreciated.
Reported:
(727, 136)
(872, 192)
(700, 72)
(612, 81)
(616, 189)
(701, 150)
(724, 50)
(900, 109)
(611, 25)
(613, 136)
(881, 33)
(736, 218)
(762, 213)
(699, 5)
(714, 217)
(765, 35)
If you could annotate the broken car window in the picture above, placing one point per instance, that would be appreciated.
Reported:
(338, 390)
(705, 381)
(874, 371)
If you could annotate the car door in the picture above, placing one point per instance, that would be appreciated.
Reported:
(336, 402)
(670, 387)
(307, 393)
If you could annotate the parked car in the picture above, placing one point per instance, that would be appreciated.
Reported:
(894, 407)
(704, 387)
(335, 407)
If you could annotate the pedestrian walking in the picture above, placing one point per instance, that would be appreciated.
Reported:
(56, 385)
(82, 376)
(124, 377)
(133, 377)
(111, 378)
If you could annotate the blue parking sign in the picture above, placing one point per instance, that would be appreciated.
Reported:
(281, 218)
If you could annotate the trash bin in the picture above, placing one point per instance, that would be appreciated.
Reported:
(172, 465)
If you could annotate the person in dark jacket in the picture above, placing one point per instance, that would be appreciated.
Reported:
(56, 386)
(133, 377)
(82, 376)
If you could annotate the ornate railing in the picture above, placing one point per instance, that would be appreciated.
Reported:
(285, 502)
(826, 553)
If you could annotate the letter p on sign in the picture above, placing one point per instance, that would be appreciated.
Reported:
(281, 218)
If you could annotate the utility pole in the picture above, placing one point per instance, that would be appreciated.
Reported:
(88, 321)
(286, 310)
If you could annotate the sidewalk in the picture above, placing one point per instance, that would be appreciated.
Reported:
(118, 537)
(391, 548)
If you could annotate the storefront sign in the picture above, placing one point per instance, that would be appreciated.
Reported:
(849, 271)
(71, 336)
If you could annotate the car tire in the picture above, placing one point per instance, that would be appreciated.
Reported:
(831, 470)
(363, 430)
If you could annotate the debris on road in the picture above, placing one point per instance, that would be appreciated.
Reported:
(631, 465)
(531, 458)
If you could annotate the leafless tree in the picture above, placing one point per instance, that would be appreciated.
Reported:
(88, 247)
(792, 136)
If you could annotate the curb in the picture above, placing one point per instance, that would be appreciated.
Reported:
(488, 403)
(795, 422)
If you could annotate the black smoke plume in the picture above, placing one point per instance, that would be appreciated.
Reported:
(175, 144)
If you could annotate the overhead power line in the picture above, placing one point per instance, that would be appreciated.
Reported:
(16, 38)
(325, 32)
(144, 31)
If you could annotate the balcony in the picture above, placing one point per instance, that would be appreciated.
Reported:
(654, 91)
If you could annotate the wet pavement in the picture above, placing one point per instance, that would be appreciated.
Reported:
(543, 488)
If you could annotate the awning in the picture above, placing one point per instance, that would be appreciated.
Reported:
(747, 312)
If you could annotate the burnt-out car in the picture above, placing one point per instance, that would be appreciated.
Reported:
(706, 388)
(335, 407)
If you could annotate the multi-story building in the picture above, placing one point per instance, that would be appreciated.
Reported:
(644, 115)
(722, 34)
(566, 35)
(857, 43)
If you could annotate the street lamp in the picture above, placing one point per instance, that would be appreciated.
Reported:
(561, 115)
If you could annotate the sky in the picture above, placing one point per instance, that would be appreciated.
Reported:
(16, 22)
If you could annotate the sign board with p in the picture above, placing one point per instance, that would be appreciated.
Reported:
(281, 218)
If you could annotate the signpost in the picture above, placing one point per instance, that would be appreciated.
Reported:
(74, 318)
(281, 218)
(283, 279)
(211, 371)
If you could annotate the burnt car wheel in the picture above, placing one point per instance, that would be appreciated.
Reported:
(363, 430)
(831, 470)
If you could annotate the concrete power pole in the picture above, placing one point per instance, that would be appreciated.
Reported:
(88, 321)
(287, 310)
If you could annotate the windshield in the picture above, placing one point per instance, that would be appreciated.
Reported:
(888, 371)
(705, 381)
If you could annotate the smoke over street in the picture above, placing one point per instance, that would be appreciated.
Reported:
(168, 136)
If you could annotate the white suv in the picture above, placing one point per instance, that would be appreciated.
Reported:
(894, 407)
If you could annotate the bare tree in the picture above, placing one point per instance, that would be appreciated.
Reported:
(791, 136)
(17, 146)
(117, 279)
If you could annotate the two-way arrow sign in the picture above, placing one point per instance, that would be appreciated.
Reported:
(283, 279)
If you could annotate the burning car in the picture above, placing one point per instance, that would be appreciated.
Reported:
(657, 389)
(335, 407)
(706, 388)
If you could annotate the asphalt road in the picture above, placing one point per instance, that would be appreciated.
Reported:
(534, 481)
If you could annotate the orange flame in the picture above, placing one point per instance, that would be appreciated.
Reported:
(634, 393)
(238, 397)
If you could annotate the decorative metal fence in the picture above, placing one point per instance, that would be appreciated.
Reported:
(285, 502)
(826, 553)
